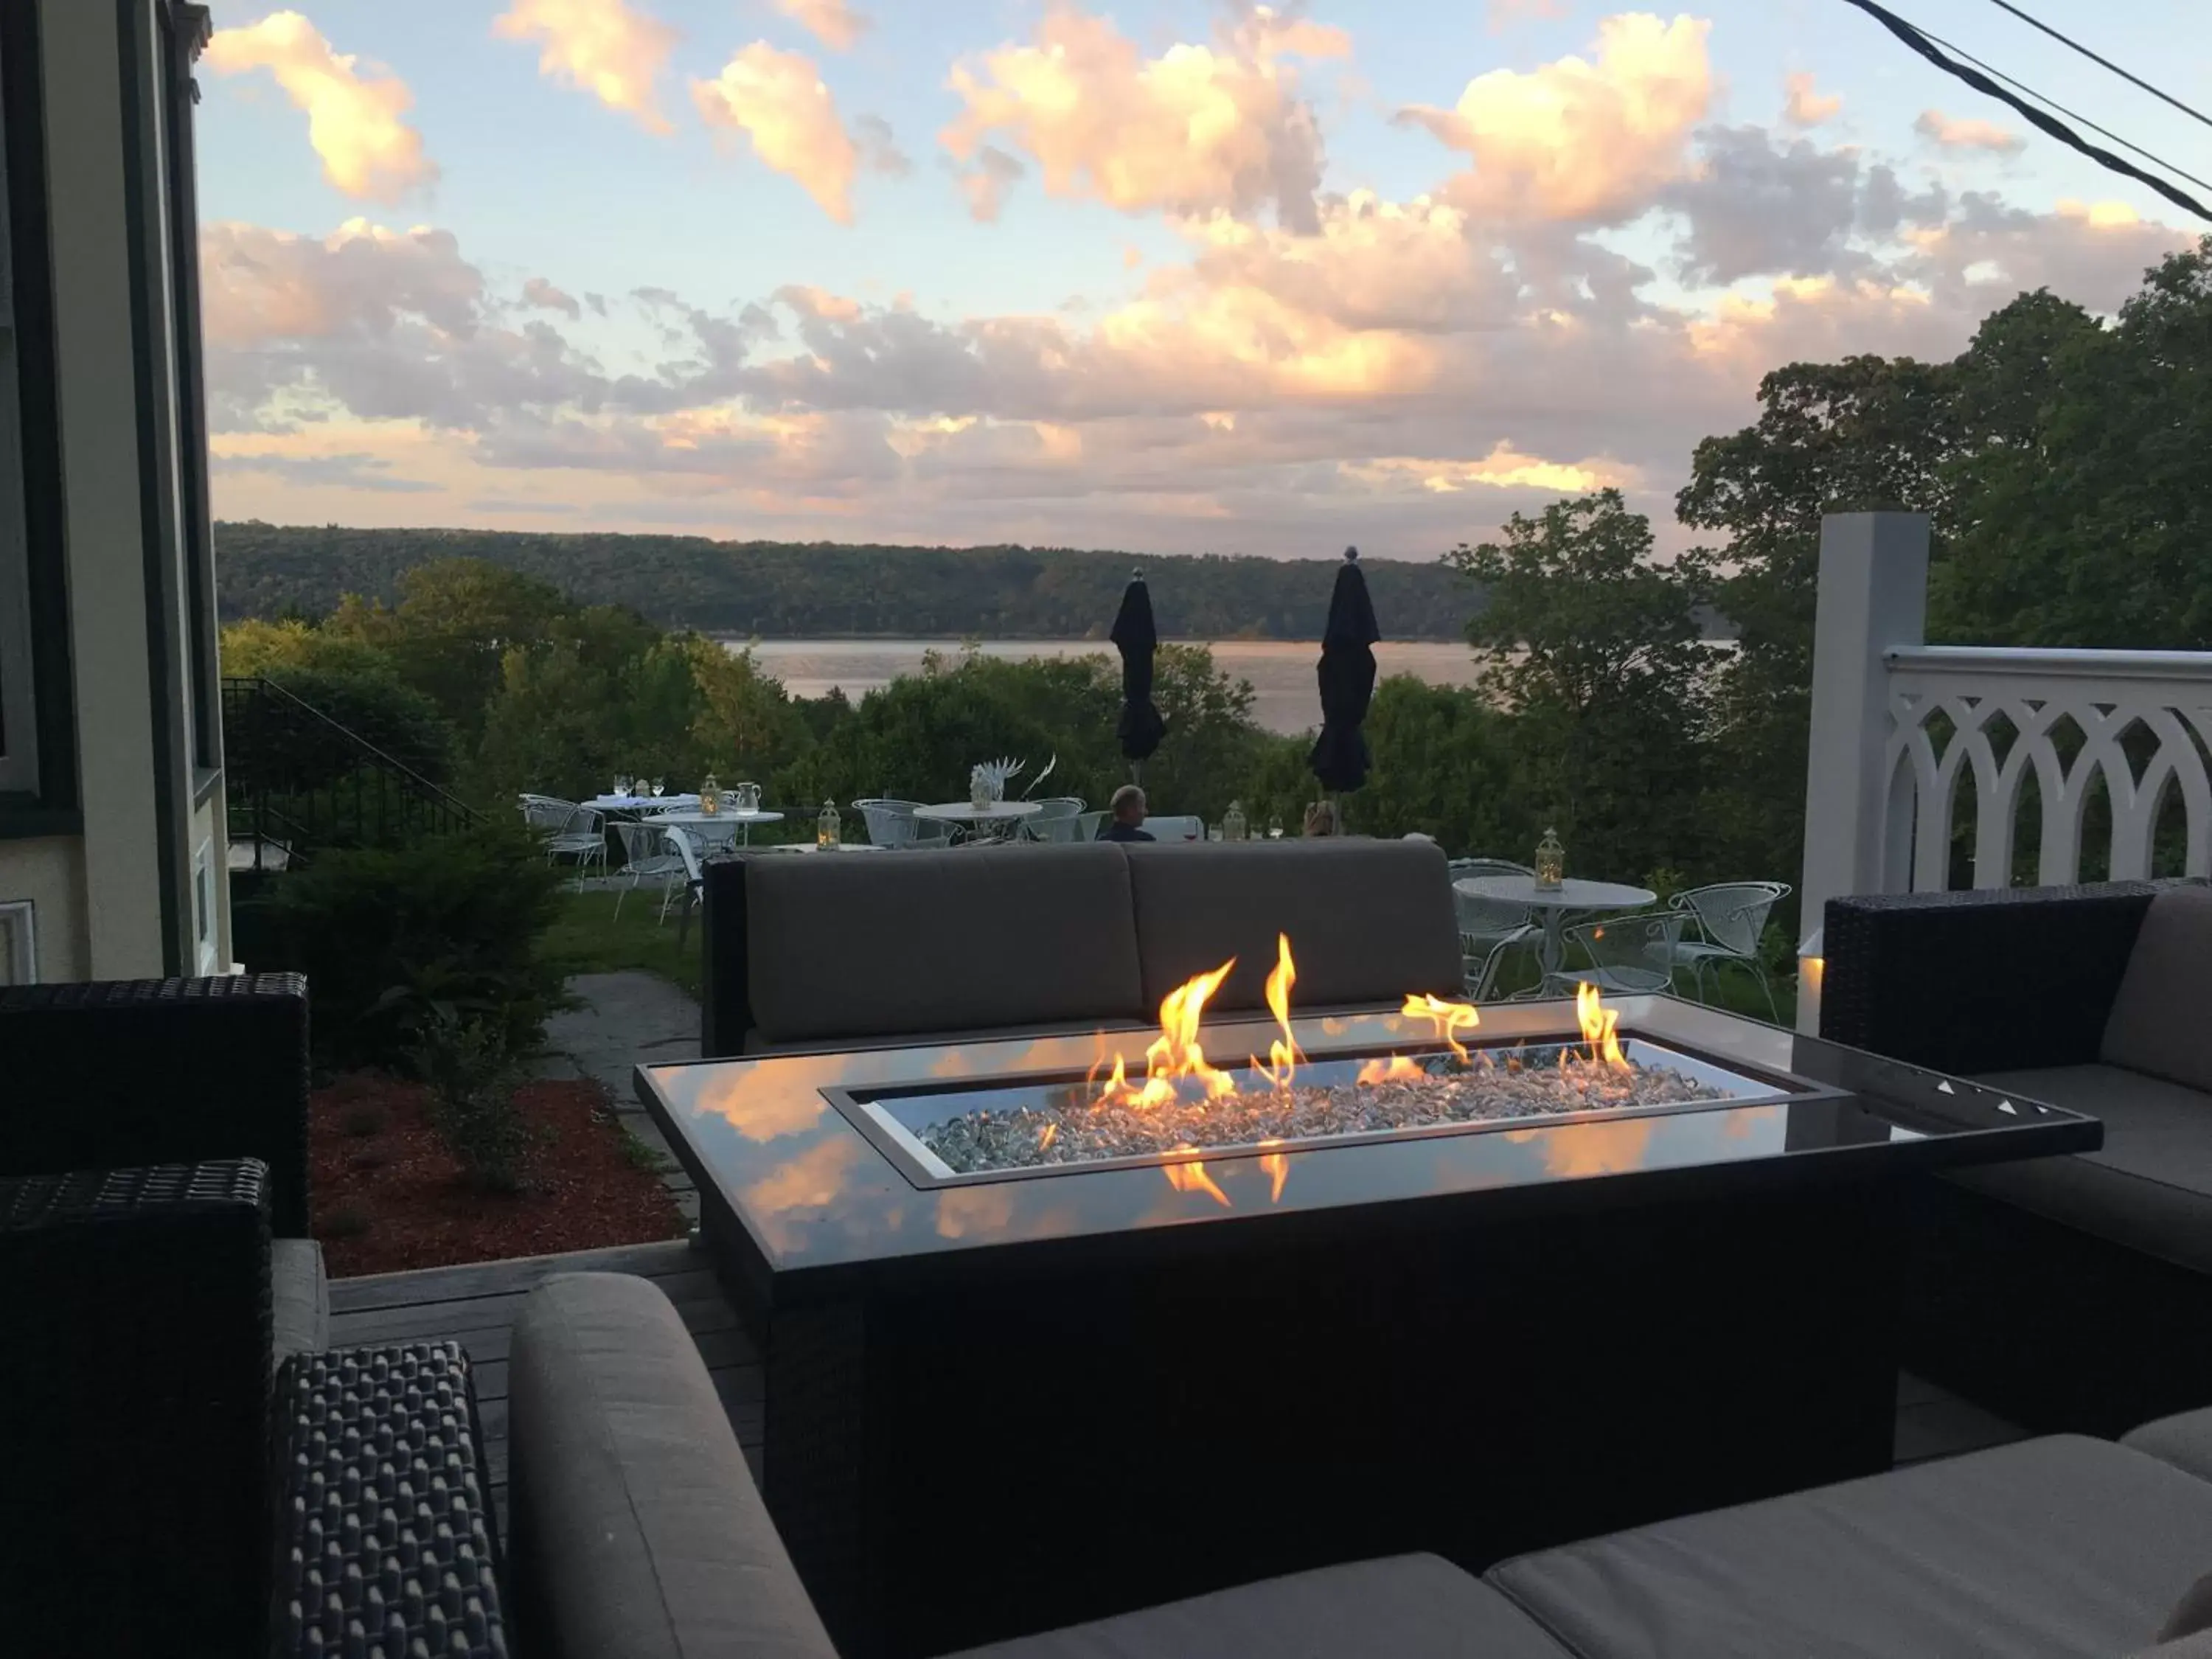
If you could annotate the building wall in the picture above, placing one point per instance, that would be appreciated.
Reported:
(117, 899)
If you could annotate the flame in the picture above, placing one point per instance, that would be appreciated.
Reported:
(1278, 1170)
(1398, 1069)
(1598, 1022)
(1051, 1133)
(1192, 1177)
(1176, 1054)
(1283, 1055)
(1446, 1016)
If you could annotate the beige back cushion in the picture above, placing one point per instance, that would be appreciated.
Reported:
(844, 946)
(2158, 1021)
(1368, 920)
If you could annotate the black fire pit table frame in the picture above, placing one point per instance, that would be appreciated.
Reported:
(996, 1407)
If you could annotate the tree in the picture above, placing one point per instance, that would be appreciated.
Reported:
(450, 634)
(1596, 654)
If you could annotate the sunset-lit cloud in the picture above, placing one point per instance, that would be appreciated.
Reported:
(1806, 106)
(833, 22)
(1503, 468)
(352, 120)
(543, 295)
(605, 47)
(1963, 132)
(1200, 129)
(778, 99)
(1581, 139)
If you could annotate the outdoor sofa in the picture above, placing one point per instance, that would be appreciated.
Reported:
(2071, 1293)
(637, 1530)
(833, 953)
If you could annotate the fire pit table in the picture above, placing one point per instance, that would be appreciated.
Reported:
(1060, 1326)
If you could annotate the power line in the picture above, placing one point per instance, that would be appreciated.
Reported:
(2071, 115)
(2032, 22)
(2065, 135)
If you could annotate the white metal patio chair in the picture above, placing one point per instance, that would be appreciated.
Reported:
(574, 832)
(1091, 823)
(646, 856)
(694, 883)
(1732, 918)
(547, 814)
(892, 823)
(1488, 928)
(1057, 818)
(1626, 956)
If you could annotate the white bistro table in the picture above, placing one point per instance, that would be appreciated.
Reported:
(966, 815)
(639, 803)
(742, 822)
(1552, 905)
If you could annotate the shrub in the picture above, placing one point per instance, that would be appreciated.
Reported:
(471, 1076)
(385, 935)
(275, 745)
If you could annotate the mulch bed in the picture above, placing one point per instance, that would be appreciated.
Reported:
(388, 1196)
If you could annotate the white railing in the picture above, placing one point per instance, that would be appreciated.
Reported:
(1900, 728)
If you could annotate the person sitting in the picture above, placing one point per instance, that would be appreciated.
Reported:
(1127, 819)
(1323, 819)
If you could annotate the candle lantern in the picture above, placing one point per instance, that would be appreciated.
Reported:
(1550, 862)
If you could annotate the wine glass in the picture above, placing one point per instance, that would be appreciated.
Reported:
(1275, 829)
(659, 787)
(621, 786)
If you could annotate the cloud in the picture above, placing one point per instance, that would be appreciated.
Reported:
(778, 101)
(878, 147)
(1197, 129)
(542, 294)
(1806, 107)
(1576, 140)
(1754, 207)
(599, 46)
(1503, 13)
(353, 121)
(352, 471)
(986, 181)
(832, 22)
(1961, 132)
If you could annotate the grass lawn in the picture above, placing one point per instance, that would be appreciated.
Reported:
(589, 939)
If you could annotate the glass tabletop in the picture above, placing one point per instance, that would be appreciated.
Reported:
(818, 1198)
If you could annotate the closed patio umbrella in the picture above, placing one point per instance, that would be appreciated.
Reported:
(1141, 727)
(1347, 674)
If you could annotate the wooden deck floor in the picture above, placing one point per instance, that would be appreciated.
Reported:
(476, 1303)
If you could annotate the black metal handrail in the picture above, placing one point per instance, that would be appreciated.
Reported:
(354, 794)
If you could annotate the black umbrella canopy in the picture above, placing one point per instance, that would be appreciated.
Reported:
(1141, 727)
(1347, 674)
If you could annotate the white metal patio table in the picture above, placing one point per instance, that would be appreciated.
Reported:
(728, 815)
(639, 803)
(965, 814)
(1555, 904)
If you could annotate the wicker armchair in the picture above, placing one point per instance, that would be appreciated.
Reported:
(128, 1073)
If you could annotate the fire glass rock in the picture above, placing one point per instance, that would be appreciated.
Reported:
(1519, 1084)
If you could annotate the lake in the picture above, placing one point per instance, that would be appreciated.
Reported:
(1281, 671)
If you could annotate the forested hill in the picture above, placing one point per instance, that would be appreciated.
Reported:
(779, 589)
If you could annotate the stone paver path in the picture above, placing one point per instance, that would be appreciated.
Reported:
(619, 1020)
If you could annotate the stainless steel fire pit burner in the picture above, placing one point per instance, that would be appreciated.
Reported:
(1038, 1125)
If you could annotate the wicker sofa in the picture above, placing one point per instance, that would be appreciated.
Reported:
(637, 1530)
(829, 953)
(2071, 1293)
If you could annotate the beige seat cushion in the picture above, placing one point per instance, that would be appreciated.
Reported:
(299, 1298)
(2158, 1024)
(1408, 1607)
(635, 1529)
(959, 941)
(1368, 920)
(2149, 1187)
(2061, 1548)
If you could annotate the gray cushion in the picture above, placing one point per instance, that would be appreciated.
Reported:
(2198, 1646)
(757, 1044)
(2061, 1548)
(2157, 1023)
(1409, 1607)
(939, 941)
(2184, 1440)
(2149, 1187)
(635, 1527)
(1368, 920)
(299, 1298)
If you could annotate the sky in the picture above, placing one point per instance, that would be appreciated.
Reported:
(1173, 276)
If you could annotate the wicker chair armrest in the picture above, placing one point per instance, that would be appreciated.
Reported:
(1999, 980)
(133, 1072)
(384, 1521)
(134, 1397)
